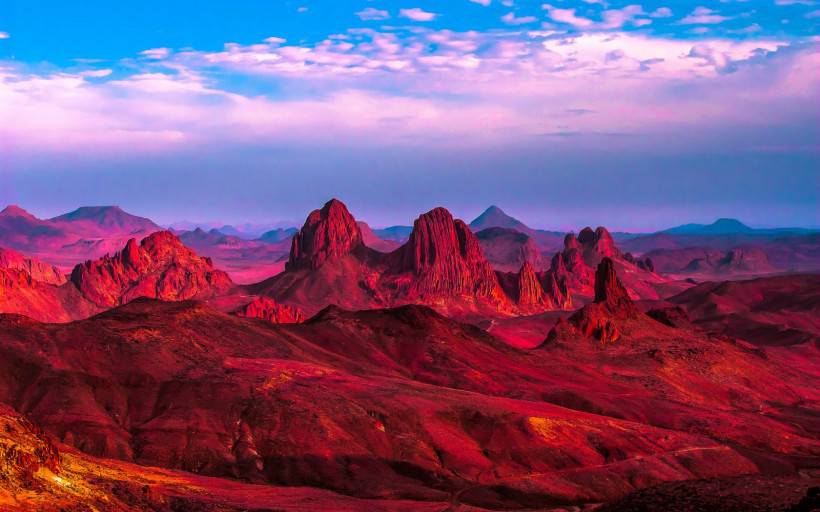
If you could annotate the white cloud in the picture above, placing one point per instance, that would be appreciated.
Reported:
(417, 14)
(468, 88)
(370, 13)
(156, 53)
(611, 18)
(512, 19)
(485, 3)
(567, 16)
(703, 16)
(96, 73)
(661, 12)
(4, 35)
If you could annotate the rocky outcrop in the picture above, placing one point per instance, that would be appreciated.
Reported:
(25, 450)
(269, 310)
(645, 263)
(445, 259)
(674, 316)
(160, 267)
(530, 292)
(603, 318)
(558, 296)
(598, 243)
(38, 270)
(610, 293)
(328, 233)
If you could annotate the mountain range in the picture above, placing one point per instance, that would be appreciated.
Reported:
(468, 367)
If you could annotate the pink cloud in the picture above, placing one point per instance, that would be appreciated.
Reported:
(417, 14)
(370, 88)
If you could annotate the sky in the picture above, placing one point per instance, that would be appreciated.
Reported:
(633, 115)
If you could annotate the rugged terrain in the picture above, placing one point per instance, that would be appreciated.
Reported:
(415, 377)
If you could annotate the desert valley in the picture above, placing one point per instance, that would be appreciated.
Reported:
(439, 366)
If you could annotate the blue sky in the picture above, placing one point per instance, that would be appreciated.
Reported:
(636, 115)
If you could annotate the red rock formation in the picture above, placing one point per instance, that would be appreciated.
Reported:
(160, 267)
(446, 259)
(602, 318)
(556, 291)
(598, 242)
(38, 270)
(328, 233)
(610, 292)
(672, 316)
(530, 292)
(268, 309)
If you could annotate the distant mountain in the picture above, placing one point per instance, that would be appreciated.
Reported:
(245, 231)
(373, 241)
(105, 220)
(495, 217)
(398, 234)
(85, 233)
(719, 227)
(785, 248)
(278, 235)
(246, 261)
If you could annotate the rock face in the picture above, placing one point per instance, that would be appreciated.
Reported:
(445, 258)
(601, 319)
(38, 270)
(530, 292)
(610, 292)
(575, 266)
(160, 267)
(268, 309)
(556, 291)
(598, 243)
(328, 233)
(535, 292)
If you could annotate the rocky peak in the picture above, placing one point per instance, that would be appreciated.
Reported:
(571, 241)
(15, 211)
(556, 291)
(598, 242)
(328, 233)
(160, 267)
(604, 318)
(38, 270)
(530, 291)
(609, 291)
(446, 258)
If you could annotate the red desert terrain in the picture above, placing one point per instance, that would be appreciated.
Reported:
(452, 371)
